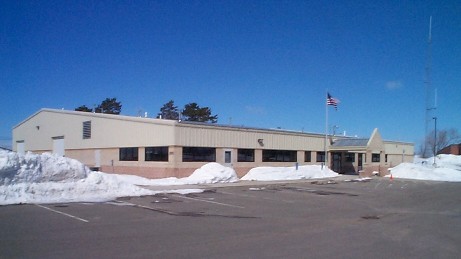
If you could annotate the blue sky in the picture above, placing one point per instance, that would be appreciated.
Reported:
(254, 63)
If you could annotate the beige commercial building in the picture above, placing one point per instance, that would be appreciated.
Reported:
(157, 148)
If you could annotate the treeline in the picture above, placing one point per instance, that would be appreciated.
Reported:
(169, 111)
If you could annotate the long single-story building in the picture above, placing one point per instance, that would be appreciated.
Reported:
(158, 148)
(453, 149)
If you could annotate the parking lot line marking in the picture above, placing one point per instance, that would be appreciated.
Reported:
(146, 207)
(214, 202)
(62, 213)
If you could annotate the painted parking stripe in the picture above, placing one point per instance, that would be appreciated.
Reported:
(62, 213)
(214, 202)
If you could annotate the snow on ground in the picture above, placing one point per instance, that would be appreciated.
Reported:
(447, 168)
(49, 178)
(208, 174)
(288, 173)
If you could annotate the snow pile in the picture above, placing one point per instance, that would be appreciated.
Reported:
(48, 178)
(447, 168)
(212, 173)
(288, 173)
(31, 168)
(207, 174)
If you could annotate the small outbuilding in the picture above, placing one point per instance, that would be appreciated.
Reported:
(158, 148)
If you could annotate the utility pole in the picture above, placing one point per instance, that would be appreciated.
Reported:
(435, 139)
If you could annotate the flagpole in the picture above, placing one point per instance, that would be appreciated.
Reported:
(326, 128)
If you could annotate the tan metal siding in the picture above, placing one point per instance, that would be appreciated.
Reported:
(106, 131)
(120, 133)
(398, 148)
(191, 135)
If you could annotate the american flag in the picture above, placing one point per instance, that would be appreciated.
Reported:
(332, 101)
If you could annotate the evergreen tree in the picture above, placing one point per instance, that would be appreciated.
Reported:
(109, 106)
(169, 111)
(83, 108)
(193, 112)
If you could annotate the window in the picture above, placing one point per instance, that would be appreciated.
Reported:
(198, 154)
(128, 154)
(320, 156)
(86, 129)
(156, 154)
(350, 157)
(385, 157)
(307, 156)
(246, 155)
(375, 157)
(279, 156)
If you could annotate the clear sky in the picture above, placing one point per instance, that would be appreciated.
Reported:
(254, 63)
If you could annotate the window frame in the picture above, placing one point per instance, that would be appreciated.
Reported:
(198, 154)
(276, 155)
(128, 154)
(308, 156)
(245, 155)
(156, 154)
(375, 158)
(320, 156)
(350, 157)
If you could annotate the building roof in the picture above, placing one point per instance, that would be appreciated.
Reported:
(355, 142)
(166, 121)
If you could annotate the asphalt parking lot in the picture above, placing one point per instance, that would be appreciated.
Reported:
(298, 219)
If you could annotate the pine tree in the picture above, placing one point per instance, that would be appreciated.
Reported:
(109, 106)
(169, 111)
(83, 108)
(193, 112)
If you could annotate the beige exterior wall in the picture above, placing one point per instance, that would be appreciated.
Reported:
(209, 136)
(399, 148)
(107, 130)
(109, 133)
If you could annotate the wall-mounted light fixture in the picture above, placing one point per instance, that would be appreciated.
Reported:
(261, 142)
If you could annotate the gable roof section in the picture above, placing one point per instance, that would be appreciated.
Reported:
(375, 143)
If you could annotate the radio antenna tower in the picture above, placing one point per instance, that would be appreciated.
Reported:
(429, 91)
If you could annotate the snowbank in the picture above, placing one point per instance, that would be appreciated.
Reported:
(207, 174)
(447, 168)
(212, 173)
(288, 173)
(31, 168)
(49, 178)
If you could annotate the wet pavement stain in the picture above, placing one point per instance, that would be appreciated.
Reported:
(370, 217)
(318, 192)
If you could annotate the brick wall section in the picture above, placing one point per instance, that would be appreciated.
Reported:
(149, 172)
(157, 173)
(452, 149)
(369, 169)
